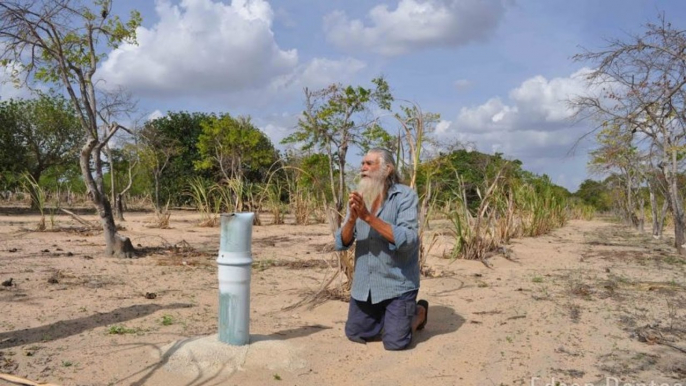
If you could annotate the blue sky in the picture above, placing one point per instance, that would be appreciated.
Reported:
(498, 72)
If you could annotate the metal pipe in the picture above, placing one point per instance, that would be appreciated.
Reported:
(234, 268)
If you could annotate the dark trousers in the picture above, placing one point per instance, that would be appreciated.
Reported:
(392, 318)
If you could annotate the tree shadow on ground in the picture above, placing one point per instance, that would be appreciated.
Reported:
(206, 376)
(62, 329)
(202, 377)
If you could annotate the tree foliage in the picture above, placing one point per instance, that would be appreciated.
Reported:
(235, 147)
(170, 153)
(596, 194)
(39, 133)
(470, 168)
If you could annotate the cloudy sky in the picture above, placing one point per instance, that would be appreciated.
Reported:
(498, 72)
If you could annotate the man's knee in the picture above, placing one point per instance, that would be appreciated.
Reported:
(362, 330)
(395, 342)
(397, 337)
(354, 333)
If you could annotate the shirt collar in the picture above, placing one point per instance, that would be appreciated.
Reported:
(393, 190)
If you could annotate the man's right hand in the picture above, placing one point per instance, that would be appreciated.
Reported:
(348, 228)
(353, 207)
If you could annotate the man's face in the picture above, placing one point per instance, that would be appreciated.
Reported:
(371, 167)
(371, 184)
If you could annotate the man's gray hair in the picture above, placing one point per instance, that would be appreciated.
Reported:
(386, 159)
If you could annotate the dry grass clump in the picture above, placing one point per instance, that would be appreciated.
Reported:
(160, 218)
(507, 209)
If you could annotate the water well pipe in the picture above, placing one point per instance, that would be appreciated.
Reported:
(234, 268)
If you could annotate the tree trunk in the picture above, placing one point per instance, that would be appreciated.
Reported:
(629, 217)
(157, 192)
(120, 207)
(113, 188)
(641, 215)
(675, 203)
(119, 201)
(653, 211)
(340, 203)
(115, 244)
(663, 216)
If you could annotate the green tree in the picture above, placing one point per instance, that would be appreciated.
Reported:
(594, 193)
(59, 41)
(472, 168)
(336, 118)
(12, 154)
(170, 153)
(46, 130)
(235, 147)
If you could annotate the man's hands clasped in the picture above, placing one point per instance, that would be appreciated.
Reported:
(357, 208)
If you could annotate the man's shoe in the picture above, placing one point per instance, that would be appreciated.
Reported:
(424, 304)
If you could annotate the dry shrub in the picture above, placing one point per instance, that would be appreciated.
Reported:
(302, 208)
(140, 202)
(507, 209)
(161, 218)
(205, 201)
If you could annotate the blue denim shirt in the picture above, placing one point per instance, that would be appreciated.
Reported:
(385, 270)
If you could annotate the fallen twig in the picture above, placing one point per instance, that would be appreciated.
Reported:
(79, 219)
(683, 350)
(22, 381)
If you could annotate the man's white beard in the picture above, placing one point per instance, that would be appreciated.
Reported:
(371, 187)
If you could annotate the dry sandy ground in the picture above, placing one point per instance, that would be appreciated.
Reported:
(591, 303)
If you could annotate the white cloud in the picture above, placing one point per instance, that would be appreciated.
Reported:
(534, 126)
(318, 73)
(201, 46)
(442, 126)
(537, 104)
(204, 48)
(154, 115)
(490, 116)
(416, 24)
(278, 126)
(540, 99)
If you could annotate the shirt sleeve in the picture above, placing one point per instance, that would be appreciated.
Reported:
(405, 229)
(338, 240)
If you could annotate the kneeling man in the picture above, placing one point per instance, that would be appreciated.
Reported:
(382, 217)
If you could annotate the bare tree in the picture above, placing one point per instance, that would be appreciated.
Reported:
(417, 127)
(617, 153)
(58, 41)
(336, 118)
(640, 87)
(113, 104)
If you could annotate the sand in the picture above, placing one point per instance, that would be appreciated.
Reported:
(591, 303)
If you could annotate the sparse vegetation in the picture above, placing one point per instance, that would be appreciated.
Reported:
(167, 320)
(121, 330)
